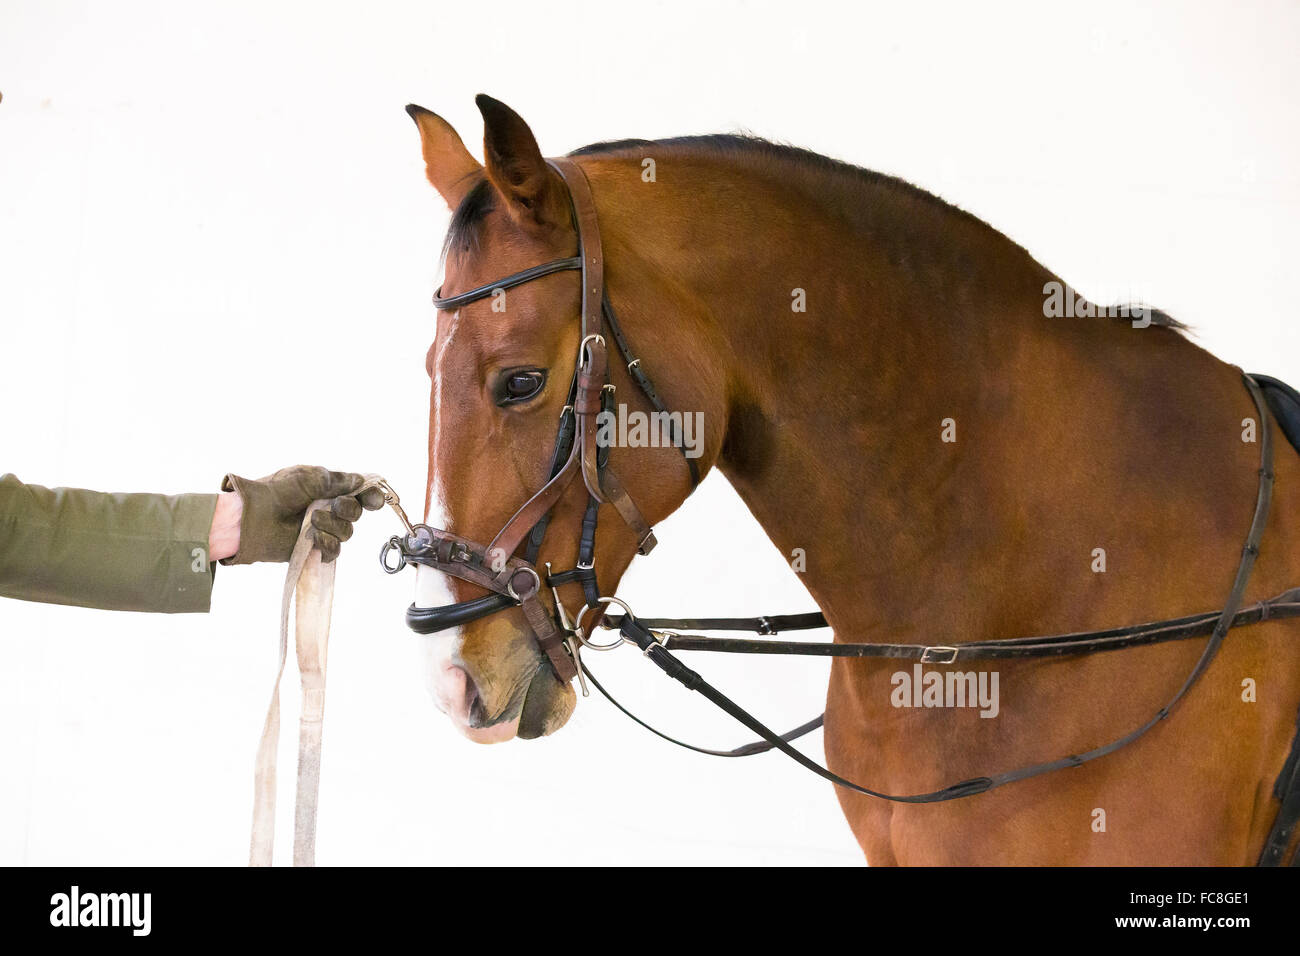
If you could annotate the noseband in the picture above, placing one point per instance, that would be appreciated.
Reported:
(513, 580)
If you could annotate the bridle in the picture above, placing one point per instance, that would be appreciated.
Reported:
(514, 580)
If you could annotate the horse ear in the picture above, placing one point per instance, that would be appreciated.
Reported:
(448, 164)
(516, 168)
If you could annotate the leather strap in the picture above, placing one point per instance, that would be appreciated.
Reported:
(431, 620)
(1284, 605)
(516, 583)
(768, 624)
(745, 750)
(636, 632)
(638, 373)
(309, 587)
(589, 247)
(548, 636)
(617, 495)
(587, 406)
(559, 455)
(535, 508)
(576, 443)
(453, 302)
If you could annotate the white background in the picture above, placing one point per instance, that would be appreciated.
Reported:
(200, 205)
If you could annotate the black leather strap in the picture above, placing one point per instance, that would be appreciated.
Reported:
(452, 302)
(431, 620)
(1285, 605)
(768, 624)
(674, 668)
(643, 382)
(559, 455)
(745, 750)
(638, 633)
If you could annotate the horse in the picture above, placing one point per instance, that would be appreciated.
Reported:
(889, 385)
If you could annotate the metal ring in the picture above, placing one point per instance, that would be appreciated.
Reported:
(510, 587)
(394, 544)
(419, 539)
(601, 602)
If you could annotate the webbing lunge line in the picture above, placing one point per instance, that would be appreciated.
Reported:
(309, 589)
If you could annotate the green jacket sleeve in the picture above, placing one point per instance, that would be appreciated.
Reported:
(121, 552)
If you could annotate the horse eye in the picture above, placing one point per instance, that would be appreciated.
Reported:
(521, 385)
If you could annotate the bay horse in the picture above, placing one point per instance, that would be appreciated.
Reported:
(880, 377)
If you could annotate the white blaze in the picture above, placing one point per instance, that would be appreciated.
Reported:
(438, 651)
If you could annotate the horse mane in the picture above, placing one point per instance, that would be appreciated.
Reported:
(764, 154)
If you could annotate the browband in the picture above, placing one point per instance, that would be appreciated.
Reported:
(509, 282)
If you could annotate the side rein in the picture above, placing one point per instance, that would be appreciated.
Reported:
(513, 580)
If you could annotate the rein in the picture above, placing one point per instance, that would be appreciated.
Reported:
(657, 646)
(514, 580)
(309, 590)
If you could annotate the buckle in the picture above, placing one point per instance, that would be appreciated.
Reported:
(765, 626)
(584, 353)
(940, 654)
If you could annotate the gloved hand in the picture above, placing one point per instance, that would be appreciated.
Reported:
(274, 505)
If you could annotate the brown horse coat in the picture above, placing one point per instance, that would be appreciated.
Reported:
(880, 383)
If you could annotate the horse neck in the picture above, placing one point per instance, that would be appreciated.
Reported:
(917, 320)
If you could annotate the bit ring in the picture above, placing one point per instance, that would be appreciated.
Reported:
(600, 603)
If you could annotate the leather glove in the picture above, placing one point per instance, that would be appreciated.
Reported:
(274, 506)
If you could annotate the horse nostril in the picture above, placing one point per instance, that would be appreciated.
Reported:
(473, 702)
(458, 693)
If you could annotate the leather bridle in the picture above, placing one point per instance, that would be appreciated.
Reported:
(513, 579)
